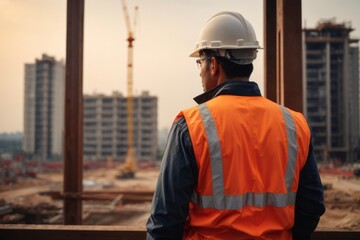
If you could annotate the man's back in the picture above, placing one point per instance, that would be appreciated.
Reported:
(236, 141)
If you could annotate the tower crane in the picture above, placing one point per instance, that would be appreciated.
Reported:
(128, 170)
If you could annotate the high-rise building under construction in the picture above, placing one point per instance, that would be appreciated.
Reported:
(105, 118)
(44, 93)
(105, 126)
(331, 91)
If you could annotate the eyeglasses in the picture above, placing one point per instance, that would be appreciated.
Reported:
(198, 61)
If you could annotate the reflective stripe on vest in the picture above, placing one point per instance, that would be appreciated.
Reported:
(221, 201)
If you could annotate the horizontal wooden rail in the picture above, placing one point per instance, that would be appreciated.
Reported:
(126, 196)
(99, 192)
(336, 234)
(70, 232)
(82, 232)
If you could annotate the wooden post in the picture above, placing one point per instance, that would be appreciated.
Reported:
(283, 52)
(270, 80)
(73, 140)
(290, 53)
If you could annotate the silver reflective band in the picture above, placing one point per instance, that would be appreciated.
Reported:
(215, 156)
(292, 147)
(233, 202)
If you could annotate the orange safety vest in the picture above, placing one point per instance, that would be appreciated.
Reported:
(249, 151)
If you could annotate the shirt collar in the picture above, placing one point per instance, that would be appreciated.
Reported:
(239, 88)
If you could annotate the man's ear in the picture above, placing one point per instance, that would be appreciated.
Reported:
(214, 67)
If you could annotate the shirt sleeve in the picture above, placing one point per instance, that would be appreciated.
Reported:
(176, 182)
(309, 204)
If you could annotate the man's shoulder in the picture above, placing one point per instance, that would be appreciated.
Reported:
(185, 112)
(180, 119)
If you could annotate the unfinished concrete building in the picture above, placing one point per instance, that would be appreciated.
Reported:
(105, 126)
(44, 96)
(331, 91)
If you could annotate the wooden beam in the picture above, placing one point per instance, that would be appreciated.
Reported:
(283, 53)
(61, 232)
(101, 195)
(77, 232)
(270, 78)
(106, 192)
(289, 54)
(73, 139)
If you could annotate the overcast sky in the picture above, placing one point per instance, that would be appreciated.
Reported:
(165, 35)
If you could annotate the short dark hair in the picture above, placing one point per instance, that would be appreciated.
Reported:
(231, 69)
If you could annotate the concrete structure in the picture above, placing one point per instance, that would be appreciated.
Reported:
(331, 91)
(44, 107)
(105, 126)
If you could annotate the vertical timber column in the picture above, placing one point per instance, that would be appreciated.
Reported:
(289, 54)
(270, 79)
(73, 140)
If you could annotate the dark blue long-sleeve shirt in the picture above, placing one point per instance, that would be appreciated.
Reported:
(179, 173)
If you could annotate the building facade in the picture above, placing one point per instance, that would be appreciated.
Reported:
(331, 91)
(44, 94)
(105, 127)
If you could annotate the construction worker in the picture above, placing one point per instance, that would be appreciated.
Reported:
(236, 166)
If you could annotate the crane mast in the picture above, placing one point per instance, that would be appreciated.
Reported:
(130, 161)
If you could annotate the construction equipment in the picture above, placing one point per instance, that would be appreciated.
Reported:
(128, 169)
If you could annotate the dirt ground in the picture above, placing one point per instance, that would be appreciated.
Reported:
(26, 193)
(342, 203)
(342, 199)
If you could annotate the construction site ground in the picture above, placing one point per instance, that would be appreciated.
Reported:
(342, 199)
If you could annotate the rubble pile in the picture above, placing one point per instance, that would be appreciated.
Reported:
(42, 213)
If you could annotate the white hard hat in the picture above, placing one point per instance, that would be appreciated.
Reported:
(231, 35)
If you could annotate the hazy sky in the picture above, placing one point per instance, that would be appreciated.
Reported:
(165, 35)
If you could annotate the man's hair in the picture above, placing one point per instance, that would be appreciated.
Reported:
(231, 69)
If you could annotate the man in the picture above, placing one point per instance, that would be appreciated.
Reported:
(237, 166)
